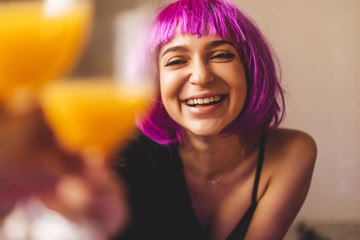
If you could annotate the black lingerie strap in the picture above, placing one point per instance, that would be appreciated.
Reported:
(241, 228)
(258, 168)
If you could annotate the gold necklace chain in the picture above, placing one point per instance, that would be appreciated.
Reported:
(217, 176)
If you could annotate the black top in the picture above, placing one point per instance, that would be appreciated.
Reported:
(160, 202)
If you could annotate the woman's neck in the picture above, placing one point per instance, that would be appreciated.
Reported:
(211, 157)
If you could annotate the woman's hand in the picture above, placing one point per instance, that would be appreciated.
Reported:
(30, 161)
(33, 164)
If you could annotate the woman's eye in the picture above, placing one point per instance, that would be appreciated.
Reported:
(174, 62)
(223, 56)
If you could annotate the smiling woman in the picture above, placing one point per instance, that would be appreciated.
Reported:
(264, 105)
(210, 161)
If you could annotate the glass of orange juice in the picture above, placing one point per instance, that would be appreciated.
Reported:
(93, 115)
(39, 40)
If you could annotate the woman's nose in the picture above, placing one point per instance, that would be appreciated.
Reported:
(201, 74)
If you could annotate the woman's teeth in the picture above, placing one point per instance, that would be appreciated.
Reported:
(203, 101)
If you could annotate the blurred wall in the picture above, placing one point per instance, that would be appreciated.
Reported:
(318, 44)
(98, 55)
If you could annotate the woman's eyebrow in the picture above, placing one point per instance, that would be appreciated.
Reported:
(184, 48)
(174, 49)
(218, 43)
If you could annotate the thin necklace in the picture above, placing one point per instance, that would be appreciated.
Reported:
(218, 175)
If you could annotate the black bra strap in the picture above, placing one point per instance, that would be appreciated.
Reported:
(258, 168)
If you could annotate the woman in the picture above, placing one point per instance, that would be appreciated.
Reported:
(211, 162)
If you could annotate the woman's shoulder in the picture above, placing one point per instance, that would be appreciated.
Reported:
(290, 150)
(285, 180)
(139, 143)
(290, 142)
(139, 151)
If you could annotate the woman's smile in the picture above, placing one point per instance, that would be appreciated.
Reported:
(204, 101)
(202, 107)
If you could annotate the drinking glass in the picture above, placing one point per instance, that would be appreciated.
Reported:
(39, 41)
(92, 115)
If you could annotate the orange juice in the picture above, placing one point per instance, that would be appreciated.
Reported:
(36, 45)
(92, 114)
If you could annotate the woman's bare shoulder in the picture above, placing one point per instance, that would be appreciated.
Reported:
(290, 142)
(290, 149)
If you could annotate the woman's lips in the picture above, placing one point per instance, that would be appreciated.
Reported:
(204, 108)
(198, 101)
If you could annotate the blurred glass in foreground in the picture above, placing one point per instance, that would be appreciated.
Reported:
(92, 116)
(44, 197)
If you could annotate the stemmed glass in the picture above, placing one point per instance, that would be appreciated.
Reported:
(39, 40)
(91, 116)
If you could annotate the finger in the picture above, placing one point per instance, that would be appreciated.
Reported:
(22, 102)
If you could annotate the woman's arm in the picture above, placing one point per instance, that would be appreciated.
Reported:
(291, 157)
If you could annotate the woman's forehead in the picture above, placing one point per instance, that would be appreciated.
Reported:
(188, 39)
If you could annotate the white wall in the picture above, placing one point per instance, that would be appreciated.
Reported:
(318, 43)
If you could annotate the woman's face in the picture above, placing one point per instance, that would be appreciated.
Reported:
(202, 82)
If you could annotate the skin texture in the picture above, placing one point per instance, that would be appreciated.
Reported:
(189, 67)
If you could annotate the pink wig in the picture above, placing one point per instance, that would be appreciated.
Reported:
(264, 106)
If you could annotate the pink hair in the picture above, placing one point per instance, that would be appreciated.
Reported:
(262, 111)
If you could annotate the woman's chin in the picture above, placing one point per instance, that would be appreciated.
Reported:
(202, 132)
